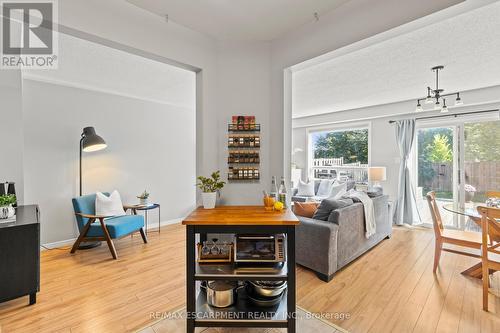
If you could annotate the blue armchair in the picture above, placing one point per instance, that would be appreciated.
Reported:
(103, 228)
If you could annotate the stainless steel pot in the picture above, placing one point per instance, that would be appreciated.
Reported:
(267, 288)
(220, 293)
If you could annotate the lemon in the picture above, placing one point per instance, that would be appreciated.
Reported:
(278, 205)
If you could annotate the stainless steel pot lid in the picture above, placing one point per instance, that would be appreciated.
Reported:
(269, 284)
(221, 285)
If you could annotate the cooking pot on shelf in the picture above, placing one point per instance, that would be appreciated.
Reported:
(220, 293)
(267, 288)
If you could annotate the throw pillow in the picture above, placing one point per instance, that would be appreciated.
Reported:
(305, 189)
(328, 205)
(338, 190)
(306, 209)
(325, 186)
(108, 206)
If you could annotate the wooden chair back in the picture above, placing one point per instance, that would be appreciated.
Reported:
(437, 222)
(489, 225)
(489, 219)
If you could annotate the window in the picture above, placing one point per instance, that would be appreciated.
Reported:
(339, 154)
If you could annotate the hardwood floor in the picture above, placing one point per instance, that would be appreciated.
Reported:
(389, 289)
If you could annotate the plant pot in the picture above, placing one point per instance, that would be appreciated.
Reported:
(7, 212)
(143, 201)
(209, 199)
(469, 196)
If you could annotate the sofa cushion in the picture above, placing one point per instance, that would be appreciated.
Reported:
(109, 205)
(328, 205)
(305, 189)
(117, 226)
(306, 209)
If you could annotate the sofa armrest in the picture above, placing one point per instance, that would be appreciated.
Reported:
(317, 245)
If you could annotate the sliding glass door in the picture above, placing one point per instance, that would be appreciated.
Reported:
(459, 159)
(437, 160)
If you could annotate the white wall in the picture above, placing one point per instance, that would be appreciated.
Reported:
(150, 146)
(243, 88)
(11, 133)
(352, 22)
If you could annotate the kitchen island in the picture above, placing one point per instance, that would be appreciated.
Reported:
(253, 220)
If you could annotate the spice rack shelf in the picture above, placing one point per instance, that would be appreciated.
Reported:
(243, 144)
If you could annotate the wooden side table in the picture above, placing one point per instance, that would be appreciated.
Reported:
(145, 208)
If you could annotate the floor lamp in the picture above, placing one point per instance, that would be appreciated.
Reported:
(89, 142)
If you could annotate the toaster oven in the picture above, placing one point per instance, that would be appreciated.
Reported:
(259, 248)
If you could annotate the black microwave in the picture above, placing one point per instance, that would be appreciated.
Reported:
(259, 248)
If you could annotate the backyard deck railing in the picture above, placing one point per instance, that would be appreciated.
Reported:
(334, 168)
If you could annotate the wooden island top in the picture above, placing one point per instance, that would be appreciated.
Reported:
(240, 215)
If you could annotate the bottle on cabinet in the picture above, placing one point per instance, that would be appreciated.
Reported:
(274, 189)
(282, 195)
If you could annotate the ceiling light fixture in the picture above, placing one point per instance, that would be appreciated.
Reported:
(435, 95)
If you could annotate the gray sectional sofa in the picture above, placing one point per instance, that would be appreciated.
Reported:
(327, 246)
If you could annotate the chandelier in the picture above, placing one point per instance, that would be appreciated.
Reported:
(436, 96)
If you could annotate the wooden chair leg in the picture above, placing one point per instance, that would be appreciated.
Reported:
(82, 235)
(111, 245)
(143, 235)
(437, 254)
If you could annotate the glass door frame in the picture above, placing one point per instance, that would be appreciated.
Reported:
(457, 123)
(439, 123)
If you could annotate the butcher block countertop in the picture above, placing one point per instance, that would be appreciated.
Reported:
(240, 215)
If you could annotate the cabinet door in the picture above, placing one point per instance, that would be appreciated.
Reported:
(19, 261)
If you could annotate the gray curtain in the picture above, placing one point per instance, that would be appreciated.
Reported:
(406, 207)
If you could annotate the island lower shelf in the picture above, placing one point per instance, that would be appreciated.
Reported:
(230, 272)
(243, 313)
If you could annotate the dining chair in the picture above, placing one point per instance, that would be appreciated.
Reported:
(489, 220)
(461, 238)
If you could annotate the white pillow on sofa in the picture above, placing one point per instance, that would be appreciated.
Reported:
(305, 189)
(325, 187)
(338, 190)
(109, 206)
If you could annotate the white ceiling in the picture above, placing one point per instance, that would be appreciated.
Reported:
(240, 19)
(399, 69)
(93, 66)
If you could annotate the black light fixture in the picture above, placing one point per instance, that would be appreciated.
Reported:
(89, 142)
(435, 95)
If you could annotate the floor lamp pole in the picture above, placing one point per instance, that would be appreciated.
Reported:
(81, 141)
(85, 245)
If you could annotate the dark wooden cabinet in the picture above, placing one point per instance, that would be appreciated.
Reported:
(20, 255)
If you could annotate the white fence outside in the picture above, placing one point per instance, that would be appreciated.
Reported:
(334, 168)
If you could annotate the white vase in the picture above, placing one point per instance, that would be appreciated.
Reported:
(7, 212)
(209, 199)
(143, 201)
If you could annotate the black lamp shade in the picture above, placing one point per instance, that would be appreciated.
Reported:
(91, 141)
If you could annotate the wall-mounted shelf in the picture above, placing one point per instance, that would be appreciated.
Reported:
(243, 149)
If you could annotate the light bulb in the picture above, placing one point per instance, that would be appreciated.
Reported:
(437, 106)
(419, 108)
(429, 100)
(458, 101)
(444, 109)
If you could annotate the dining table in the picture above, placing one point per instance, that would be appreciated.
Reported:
(473, 224)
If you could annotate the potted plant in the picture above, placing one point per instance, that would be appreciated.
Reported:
(209, 187)
(6, 209)
(469, 192)
(143, 198)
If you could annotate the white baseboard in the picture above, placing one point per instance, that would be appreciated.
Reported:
(151, 226)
